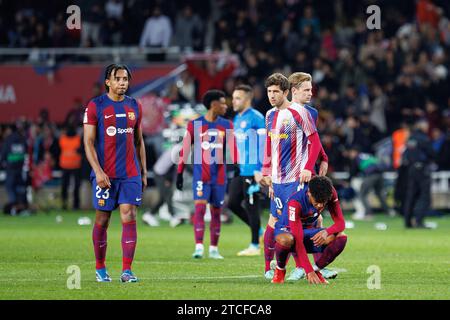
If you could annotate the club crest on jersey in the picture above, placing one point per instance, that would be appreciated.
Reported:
(131, 115)
(286, 121)
(243, 124)
(101, 202)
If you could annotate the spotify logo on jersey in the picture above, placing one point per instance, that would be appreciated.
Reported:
(111, 131)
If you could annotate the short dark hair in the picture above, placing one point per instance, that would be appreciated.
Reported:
(278, 79)
(244, 87)
(321, 188)
(212, 95)
(112, 69)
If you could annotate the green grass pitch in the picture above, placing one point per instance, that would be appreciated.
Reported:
(36, 252)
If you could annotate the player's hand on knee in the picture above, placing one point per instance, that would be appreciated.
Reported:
(305, 176)
(320, 238)
(179, 182)
(102, 180)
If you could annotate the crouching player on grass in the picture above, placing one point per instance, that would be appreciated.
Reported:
(296, 231)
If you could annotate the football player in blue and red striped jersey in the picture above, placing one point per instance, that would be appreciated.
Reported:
(208, 136)
(297, 229)
(116, 152)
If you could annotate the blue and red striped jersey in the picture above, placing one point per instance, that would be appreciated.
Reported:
(287, 152)
(116, 122)
(299, 208)
(209, 141)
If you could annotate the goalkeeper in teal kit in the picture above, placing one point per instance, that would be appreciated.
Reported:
(250, 133)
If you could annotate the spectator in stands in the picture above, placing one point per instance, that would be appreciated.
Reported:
(70, 163)
(428, 13)
(111, 32)
(74, 117)
(114, 9)
(309, 20)
(378, 106)
(210, 77)
(188, 30)
(156, 33)
(44, 155)
(12, 158)
(91, 23)
(369, 131)
(355, 135)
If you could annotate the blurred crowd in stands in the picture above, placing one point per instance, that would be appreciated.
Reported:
(368, 84)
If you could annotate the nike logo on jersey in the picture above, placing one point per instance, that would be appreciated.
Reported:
(130, 241)
(138, 199)
(106, 117)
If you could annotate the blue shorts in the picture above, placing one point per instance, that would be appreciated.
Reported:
(122, 191)
(214, 194)
(308, 243)
(282, 192)
(307, 235)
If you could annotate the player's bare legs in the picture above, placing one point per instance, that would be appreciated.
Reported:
(128, 214)
(99, 239)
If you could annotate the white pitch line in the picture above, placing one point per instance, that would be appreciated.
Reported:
(204, 262)
(155, 278)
